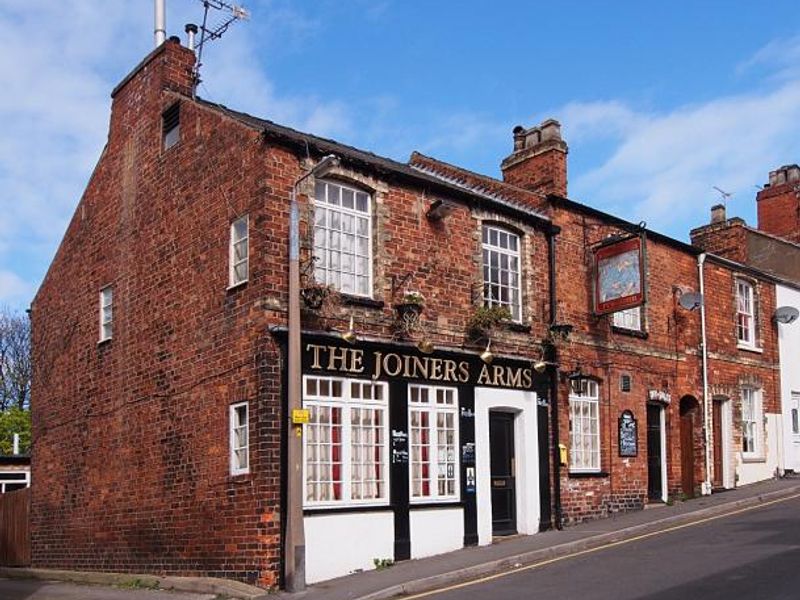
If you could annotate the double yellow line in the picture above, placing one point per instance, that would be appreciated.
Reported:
(550, 561)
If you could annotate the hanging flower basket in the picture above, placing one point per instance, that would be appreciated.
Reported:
(410, 307)
(314, 296)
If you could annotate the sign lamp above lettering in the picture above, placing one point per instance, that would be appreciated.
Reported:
(618, 276)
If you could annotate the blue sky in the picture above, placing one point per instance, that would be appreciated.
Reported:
(658, 101)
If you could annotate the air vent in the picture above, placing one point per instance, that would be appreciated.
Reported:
(171, 125)
(625, 383)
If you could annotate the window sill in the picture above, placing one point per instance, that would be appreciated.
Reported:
(361, 301)
(517, 327)
(637, 333)
(103, 342)
(434, 504)
(750, 348)
(586, 474)
(243, 477)
(236, 285)
(348, 508)
(753, 459)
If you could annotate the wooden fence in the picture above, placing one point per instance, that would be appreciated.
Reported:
(15, 528)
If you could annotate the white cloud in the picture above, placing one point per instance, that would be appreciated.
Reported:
(14, 291)
(661, 166)
(60, 61)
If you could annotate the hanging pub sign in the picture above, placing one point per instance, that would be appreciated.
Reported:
(618, 276)
(627, 434)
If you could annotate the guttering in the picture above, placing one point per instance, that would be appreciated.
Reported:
(707, 421)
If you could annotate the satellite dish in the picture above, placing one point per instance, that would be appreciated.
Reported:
(786, 314)
(691, 300)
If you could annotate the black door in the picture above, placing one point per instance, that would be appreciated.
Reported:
(654, 488)
(504, 502)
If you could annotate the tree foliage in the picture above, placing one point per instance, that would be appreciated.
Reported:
(15, 359)
(15, 420)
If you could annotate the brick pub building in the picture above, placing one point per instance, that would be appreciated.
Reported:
(160, 410)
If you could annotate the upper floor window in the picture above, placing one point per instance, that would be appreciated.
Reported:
(584, 425)
(106, 312)
(239, 439)
(501, 270)
(745, 313)
(171, 126)
(239, 251)
(751, 418)
(630, 318)
(343, 238)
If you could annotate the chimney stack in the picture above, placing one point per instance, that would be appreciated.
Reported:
(779, 204)
(539, 159)
(718, 213)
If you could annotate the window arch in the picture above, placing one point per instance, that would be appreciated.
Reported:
(343, 237)
(502, 277)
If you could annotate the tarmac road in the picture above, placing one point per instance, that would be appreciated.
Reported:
(754, 554)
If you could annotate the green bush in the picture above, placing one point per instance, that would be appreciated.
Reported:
(15, 420)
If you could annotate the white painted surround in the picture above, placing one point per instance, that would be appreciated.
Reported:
(750, 472)
(338, 544)
(789, 348)
(435, 531)
(526, 450)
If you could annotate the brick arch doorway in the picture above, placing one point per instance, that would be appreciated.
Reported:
(690, 420)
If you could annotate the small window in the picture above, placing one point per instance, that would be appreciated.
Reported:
(795, 410)
(751, 422)
(625, 383)
(501, 270)
(239, 439)
(239, 251)
(630, 318)
(106, 313)
(14, 480)
(171, 125)
(745, 314)
(584, 425)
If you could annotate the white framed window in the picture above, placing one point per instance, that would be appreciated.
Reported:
(239, 438)
(745, 314)
(584, 425)
(630, 318)
(501, 270)
(14, 480)
(239, 251)
(433, 429)
(794, 413)
(346, 442)
(751, 422)
(343, 238)
(106, 312)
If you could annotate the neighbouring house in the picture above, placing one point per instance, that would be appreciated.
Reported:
(479, 357)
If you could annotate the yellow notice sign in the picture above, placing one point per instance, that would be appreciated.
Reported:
(300, 416)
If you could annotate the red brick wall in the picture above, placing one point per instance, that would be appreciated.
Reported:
(727, 239)
(665, 360)
(130, 464)
(545, 172)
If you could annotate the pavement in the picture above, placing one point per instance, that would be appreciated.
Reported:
(421, 575)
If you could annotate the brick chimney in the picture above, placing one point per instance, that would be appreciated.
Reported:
(718, 213)
(779, 204)
(539, 159)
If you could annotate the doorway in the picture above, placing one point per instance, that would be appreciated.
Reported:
(689, 410)
(502, 465)
(655, 454)
(718, 480)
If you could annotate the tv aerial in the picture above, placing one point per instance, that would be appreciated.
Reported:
(725, 196)
(227, 14)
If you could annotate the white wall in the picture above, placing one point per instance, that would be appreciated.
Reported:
(435, 531)
(750, 472)
(789, 348)
(523, 405)
(338, 544)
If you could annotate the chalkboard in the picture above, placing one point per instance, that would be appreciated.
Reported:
(627, 434)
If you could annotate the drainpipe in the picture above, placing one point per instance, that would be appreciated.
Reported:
(554, 377)
(707, 421)
(295, 543)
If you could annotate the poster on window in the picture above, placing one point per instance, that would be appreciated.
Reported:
(618, 276)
